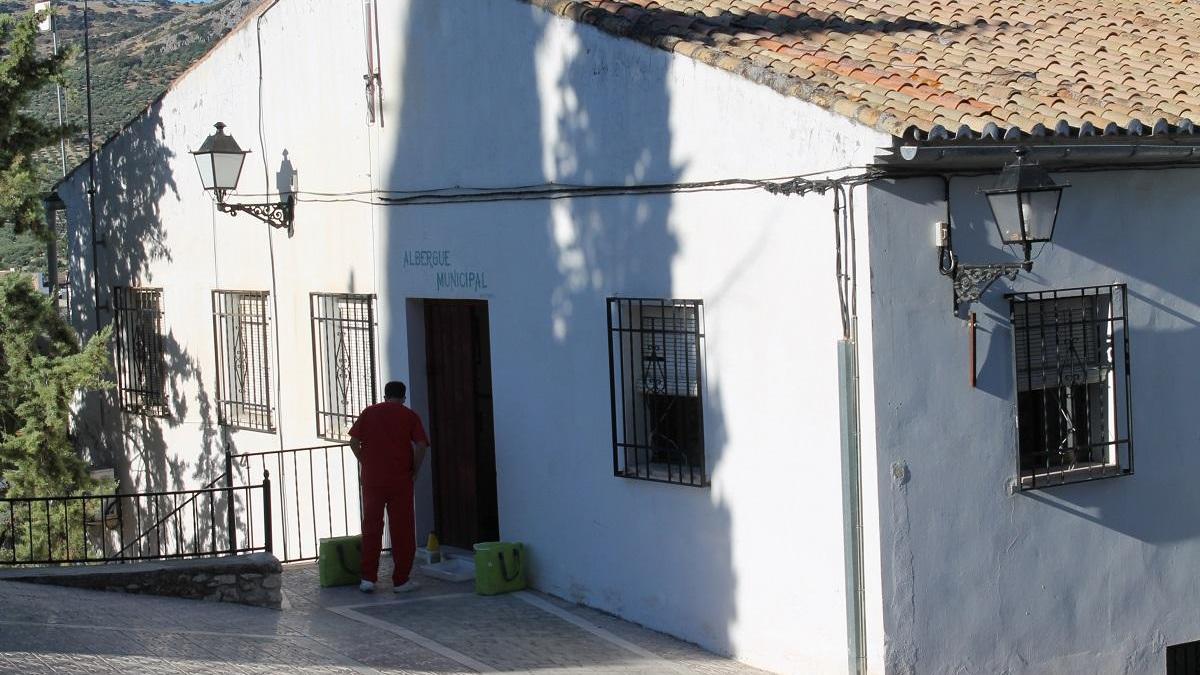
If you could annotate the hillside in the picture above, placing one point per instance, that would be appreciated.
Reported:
(138, 47)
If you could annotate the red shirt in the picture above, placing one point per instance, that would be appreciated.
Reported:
(387, 431)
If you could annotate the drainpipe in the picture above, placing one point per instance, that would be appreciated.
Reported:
(848, 399)
(52, 204)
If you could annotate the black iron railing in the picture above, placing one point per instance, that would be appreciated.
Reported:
(140, 365)
(136, 526)
(1074, 410)
(161, 519)
(343, 348)
(240, 332)
(307, 494)
(656, 376)
(317, 492)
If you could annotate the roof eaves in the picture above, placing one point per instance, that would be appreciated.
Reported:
(787, 85)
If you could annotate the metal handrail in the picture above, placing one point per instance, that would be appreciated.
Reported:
(318, 494)
(328, 446)
(200, 540)
(120, 555)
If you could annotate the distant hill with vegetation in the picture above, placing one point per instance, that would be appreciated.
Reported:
(138, 47)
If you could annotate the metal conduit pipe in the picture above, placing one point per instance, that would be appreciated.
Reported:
(1046, 151)
(848, 399)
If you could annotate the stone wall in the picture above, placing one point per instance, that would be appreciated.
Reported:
(253, 579)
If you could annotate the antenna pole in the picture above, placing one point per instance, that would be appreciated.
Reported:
(87, 61)
(62, 141)
(91, 160)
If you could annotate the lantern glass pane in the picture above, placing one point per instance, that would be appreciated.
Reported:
(1008, 216)
(1038, 210)
(204, 164)
(227, 167)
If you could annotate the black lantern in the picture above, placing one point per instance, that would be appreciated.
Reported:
(219, 161)
(1024, 203)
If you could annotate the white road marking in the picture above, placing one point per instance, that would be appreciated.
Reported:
(350, 612)
(431, 645)
(599, 632)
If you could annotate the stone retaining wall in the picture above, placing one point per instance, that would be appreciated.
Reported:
(253, 579)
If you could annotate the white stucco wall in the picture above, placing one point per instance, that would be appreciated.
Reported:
(1095, 577)
(494, 94)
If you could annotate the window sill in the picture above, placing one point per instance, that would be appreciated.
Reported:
(659, 473)
(1080, 473)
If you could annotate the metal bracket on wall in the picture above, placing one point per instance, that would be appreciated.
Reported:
(971, 281)
(275, 214)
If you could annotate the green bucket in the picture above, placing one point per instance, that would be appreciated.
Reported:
(339, 561)
(499, 567)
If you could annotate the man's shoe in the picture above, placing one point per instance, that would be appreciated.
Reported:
(406, 587)
(366, 586)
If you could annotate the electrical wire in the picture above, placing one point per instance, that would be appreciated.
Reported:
(262, 145)
(536, 190)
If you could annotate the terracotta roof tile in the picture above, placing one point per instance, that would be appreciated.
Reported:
(906, 67)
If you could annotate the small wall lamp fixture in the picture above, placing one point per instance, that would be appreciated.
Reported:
(219, 160)
(1024, 203)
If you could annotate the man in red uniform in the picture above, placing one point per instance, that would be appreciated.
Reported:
(390, 445)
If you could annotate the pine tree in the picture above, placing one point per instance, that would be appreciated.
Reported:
(42, 363)
(23, 72)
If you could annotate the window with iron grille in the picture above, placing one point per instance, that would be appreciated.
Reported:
(243, 371)
(343, 333)
(1183, 659)
(656, 364)
(141, 368)
(1072, 373)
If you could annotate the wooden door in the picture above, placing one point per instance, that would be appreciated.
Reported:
(458, 355)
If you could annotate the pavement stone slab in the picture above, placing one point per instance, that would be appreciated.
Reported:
(50, 629)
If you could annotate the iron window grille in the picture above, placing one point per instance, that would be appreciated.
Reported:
(243, 370)
(141, 365)
(343, 334)
(656, 384)
(1183, 659)
(1071, 352)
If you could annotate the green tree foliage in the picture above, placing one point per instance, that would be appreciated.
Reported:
(137, 48)
(23, 72)
(42, 365)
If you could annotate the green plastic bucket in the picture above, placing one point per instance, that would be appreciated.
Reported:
(339, 561)
(499, 567)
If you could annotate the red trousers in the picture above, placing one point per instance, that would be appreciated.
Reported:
(398, 500)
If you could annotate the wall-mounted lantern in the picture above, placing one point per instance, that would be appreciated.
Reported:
(220, 160)
(1024, 203)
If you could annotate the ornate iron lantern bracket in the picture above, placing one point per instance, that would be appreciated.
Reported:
(1024, 202)
(972, 281)
(219, 161)
(276, 214)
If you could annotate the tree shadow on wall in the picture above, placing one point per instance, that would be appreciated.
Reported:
(534, 100)
(134, 177)
(493, 116)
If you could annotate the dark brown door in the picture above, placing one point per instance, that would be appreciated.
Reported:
(458, 355)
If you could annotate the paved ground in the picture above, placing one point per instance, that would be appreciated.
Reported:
(442, 628)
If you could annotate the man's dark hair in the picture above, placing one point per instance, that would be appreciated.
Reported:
(395, 389)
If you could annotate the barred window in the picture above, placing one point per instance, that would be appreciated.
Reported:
(243, 370)
(141, 367)
(343, 333)
(1183, 659)
(1072, 371)
(656, 358)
